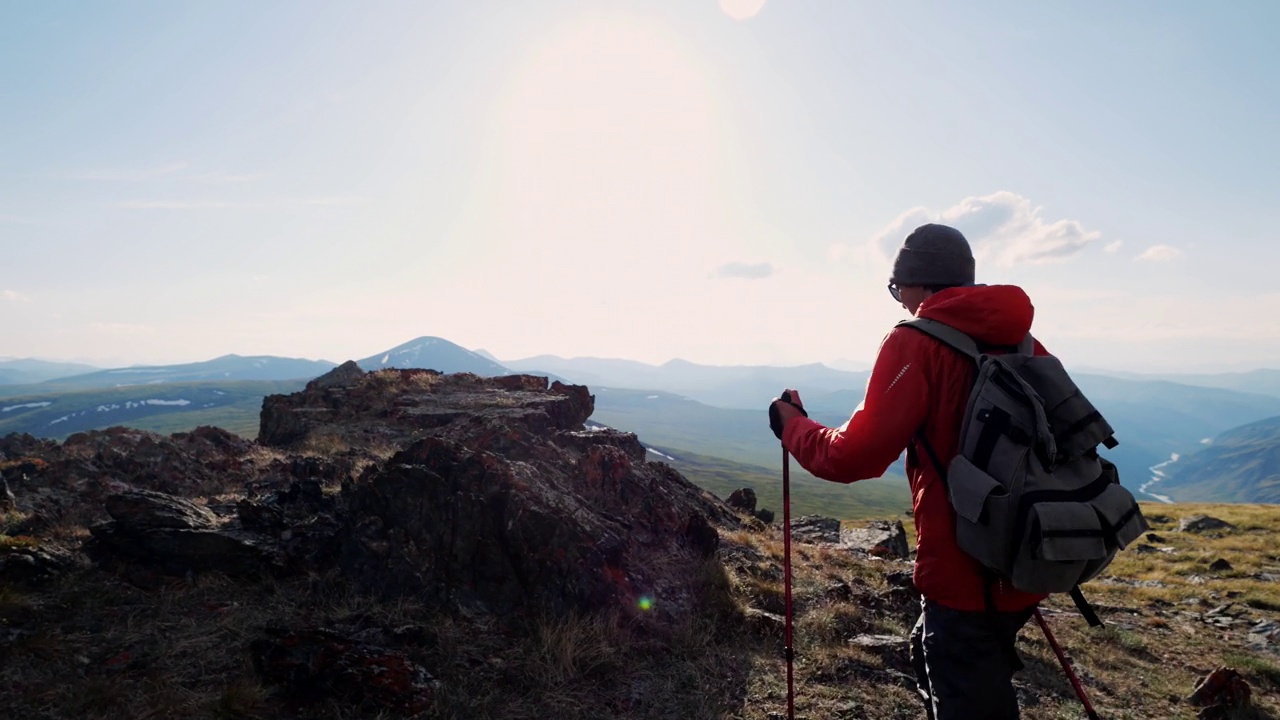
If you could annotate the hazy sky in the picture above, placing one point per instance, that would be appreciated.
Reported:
(722, 181)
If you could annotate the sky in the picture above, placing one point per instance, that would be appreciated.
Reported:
(722, 181)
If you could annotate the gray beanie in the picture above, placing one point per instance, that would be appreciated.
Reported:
(933, 255)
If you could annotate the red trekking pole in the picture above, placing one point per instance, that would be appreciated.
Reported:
(786, 577)
(1066, 665)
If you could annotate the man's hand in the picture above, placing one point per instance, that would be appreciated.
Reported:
(782, 409)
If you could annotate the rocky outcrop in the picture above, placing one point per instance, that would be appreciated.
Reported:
(1203, 523)
(881, 538)
(318, 664)
(176, 535)
(815, 529)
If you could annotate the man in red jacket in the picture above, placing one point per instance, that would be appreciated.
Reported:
(963, 644)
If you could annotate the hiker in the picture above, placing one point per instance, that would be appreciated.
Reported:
(962, 647)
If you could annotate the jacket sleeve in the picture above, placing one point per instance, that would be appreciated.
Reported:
(895, 407)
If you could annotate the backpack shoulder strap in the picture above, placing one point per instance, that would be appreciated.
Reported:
(945, 333)
(962, 342)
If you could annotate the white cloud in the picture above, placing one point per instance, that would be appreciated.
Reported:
(747, 271)
(1159, 253)
(1002, 227)
(14, 297)
(1113, 247)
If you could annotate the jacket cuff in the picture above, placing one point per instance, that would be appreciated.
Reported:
(795, 430)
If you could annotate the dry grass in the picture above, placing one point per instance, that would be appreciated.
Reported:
(98, 645)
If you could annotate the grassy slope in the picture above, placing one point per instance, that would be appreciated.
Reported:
(231, 405)
(881, 497)
(100, 645)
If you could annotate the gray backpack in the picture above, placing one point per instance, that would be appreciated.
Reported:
(1034, 502)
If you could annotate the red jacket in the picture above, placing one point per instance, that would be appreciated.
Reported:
(919, 383)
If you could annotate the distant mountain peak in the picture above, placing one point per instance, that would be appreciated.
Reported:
(434, 353)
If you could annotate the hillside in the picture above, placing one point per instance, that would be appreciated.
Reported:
(445, 547)
(26, 371)
(228, 368)
(742, 387)
(1241, 465)
(169, 407)
(714, 445)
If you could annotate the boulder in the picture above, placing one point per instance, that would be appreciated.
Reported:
(882, 538)
(148, 510)
(815, 529)
(743, 499)
(175, 535)
(460, 525)
(1202, 523)
(1222, 693)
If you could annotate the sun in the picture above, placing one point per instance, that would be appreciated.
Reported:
(741, 9)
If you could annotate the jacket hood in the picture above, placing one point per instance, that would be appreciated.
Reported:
(990, 314)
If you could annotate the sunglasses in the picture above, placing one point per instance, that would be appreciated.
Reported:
(895, 291)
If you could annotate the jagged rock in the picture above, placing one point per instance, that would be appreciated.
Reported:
(402, 405)
(317, 664)
(881, 538)
(259, 517)
(1201, 523)
(345, 375)
(1264, 633)
(878, 641)
(764, 624)
(1221, 694)
(1220, 565)
(442, 520)
(33, 564)
(175, 535)
(178, 551)
(815, 529)
(900, 579)
(147, 510)
(743, 499)
(764, 515)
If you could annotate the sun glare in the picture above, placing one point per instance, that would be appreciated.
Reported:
(741, 9)
(608, 144)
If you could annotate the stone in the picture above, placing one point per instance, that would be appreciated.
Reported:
(743, 499)
(815, 529)
(147, 510)
(881, 538)
(33, 564)
(1221, 693)
(1220, 565)
(1202, 523)
(316, 664)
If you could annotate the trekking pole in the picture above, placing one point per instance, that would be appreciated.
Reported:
(786, 577)
(1066, 665)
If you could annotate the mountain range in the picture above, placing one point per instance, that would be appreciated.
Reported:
(707, 420)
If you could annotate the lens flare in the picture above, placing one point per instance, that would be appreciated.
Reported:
(645, 603)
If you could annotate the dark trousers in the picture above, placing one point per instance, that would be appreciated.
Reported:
(965, 662)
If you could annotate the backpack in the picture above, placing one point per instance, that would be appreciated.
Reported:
(1034, 502)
